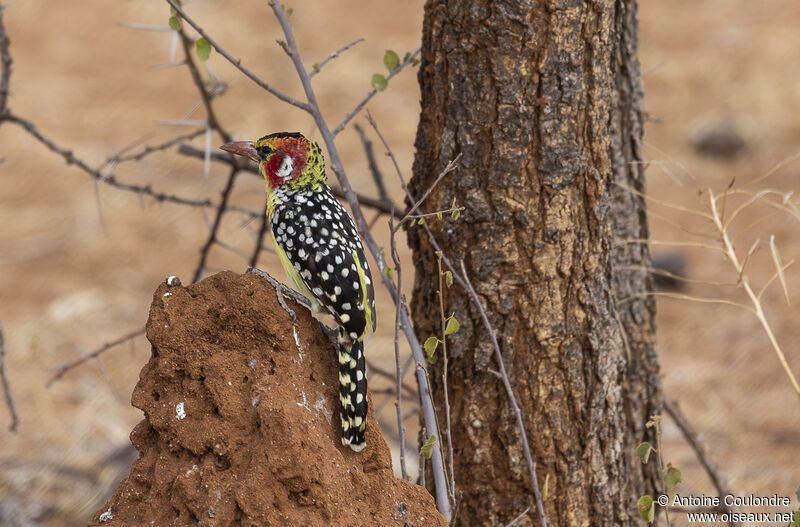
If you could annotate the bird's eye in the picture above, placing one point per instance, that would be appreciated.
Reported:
(263, 150)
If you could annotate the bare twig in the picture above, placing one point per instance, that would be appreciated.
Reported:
(518, 518)
(504, 375)
(333, 55)
(443, 322)
(437, 464)
(681, 296)
(12, 408)
(69, 157)
(398, 370)
(372, 93)
(5, 56)
(152, 149)
(212, 237)
(405, 388)
(90, 356)
(449, 168)
(758, 309)
(691, 437)
(205, 94)
(238, 63)
(262, 232)
(377, 176)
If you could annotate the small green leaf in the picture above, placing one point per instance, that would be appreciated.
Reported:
(391, 60)
(421, 221)
(175, 23)
(389, 273)
(439, 215)
(315, 66)
(455, 214)
(674, 476)
(172, 11)
(406, 56)
(203, 48)
(643, 451)
(448, 278)
(379, 82)
(452, 326)
(647, 508)
(431, 343)
(427, 449)
(415, 62)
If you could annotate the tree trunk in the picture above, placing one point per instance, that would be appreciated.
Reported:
(543, 101)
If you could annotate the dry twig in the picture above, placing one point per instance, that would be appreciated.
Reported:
(12, 408)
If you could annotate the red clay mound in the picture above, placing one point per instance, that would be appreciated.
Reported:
(242, 422)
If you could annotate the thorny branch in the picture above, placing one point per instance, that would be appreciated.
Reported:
(238, 63)
(110, 180)
(371, 94)
(63, 369)
(683, 425)
(334, 55)
(12, 408)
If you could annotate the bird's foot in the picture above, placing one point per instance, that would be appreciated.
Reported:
(282, 291)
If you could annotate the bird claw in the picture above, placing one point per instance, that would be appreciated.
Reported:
(282, 291)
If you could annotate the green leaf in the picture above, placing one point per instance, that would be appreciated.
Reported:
(421, 221)
(448, 278)
(203, 48)
(172, 11)
(452, 326)
(455, 214)
(389, 273)
(379, 82)
(439, 215)
(391, 60)
(175, 23)
(795, 519)
(315, 66)
(674, 476)
(643, 451)
(406, 56)
(647, 508)
(427, 449)
(415, 62)
(431, 343)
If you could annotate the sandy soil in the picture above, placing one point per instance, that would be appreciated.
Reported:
(78, 263)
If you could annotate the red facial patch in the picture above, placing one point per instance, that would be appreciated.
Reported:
(295, 148)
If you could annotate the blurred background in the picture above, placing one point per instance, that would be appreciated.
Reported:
(79, 261)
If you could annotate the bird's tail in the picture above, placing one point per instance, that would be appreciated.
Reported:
(352, 391)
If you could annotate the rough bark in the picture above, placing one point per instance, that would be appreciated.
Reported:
(543, 101)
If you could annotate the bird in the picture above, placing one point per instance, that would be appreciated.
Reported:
(323, 256)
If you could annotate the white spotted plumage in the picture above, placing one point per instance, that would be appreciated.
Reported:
(319, 247)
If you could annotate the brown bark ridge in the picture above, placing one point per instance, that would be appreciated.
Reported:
(241, 424)
(543, 101)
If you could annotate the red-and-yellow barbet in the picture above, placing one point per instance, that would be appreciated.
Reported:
(320, 250)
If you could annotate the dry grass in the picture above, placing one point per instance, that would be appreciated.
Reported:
(70, 282)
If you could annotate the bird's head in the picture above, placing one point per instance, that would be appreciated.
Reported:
(284, 159)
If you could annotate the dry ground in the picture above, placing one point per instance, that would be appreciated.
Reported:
(78, 264)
